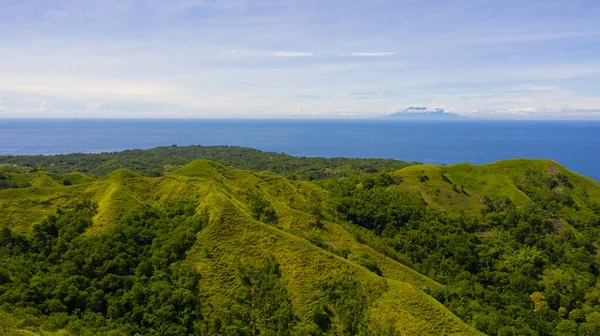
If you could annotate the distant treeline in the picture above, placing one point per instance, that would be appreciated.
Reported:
(156, 161)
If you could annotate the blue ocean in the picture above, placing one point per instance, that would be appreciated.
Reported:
(574, 144)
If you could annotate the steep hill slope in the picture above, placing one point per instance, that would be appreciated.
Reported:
(311, 250)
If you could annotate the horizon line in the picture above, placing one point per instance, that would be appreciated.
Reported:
(313, 118)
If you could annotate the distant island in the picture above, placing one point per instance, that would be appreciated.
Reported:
(422, 113)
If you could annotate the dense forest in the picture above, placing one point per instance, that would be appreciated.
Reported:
(333, 247)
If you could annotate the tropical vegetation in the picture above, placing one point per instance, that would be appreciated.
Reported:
(166, 242)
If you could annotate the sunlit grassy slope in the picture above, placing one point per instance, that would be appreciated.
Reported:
(463, 186)
(308, 254)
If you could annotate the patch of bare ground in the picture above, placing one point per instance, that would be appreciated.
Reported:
(557, 223)
(487, 235)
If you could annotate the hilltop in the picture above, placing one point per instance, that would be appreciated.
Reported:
(504, 248)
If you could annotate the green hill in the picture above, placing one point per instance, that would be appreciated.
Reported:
(463, 186)
(309, 255)
(508, 248)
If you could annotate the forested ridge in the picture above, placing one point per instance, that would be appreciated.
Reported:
(509, 248)
(156, 161)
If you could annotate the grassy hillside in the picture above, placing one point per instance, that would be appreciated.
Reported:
(312, 251)
(464, 186)
(508, 248)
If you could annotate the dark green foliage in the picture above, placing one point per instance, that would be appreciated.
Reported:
(376, 208)
(7, 182)
(153, 162)
(546, 191)
(133, 279)
(316, 210)
(423, 177)
(367, 262)
(321, 315)
(261, 208)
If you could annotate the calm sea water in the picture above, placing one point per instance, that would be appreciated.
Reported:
(574, 144)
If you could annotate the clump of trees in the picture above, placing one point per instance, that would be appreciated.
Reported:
(261, 208)
(6, 181)
(342, 305)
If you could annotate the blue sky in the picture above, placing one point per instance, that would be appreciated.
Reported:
(262, 58)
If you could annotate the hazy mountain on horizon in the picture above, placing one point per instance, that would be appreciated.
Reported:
(424, 113)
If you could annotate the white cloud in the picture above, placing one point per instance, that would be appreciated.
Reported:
(1, 107)
(43, 106)
(519, 110)
(292, 54)
(373, 54)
